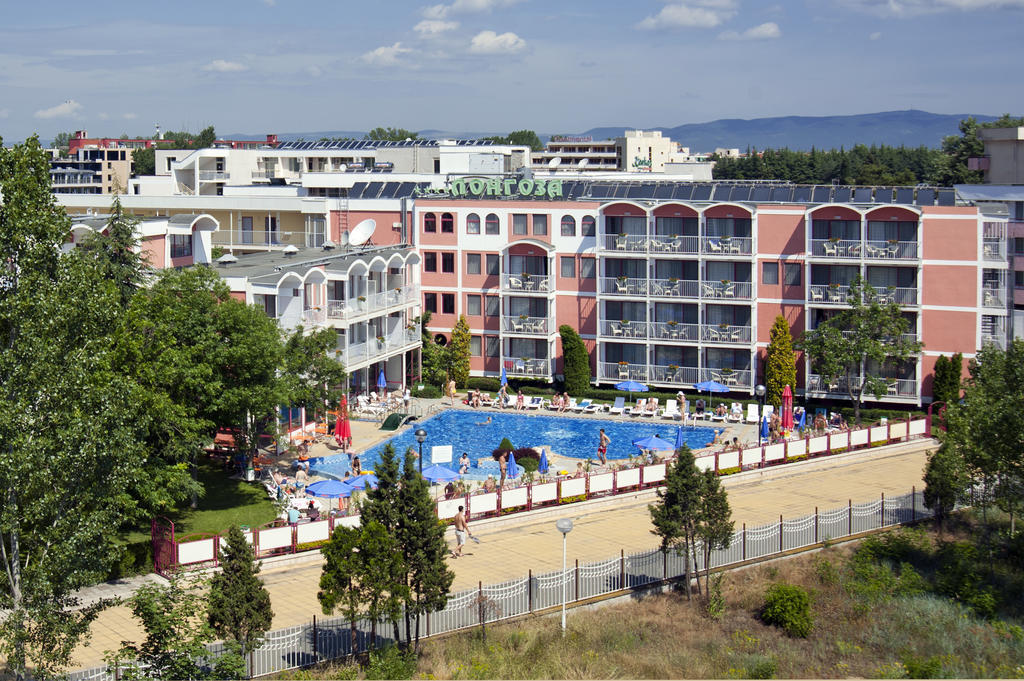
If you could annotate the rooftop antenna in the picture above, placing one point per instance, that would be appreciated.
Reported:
(159, 135)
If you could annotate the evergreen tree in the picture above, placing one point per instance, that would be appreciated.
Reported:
(576, 361)
(340, 587)
(458, 352)
(779, 361)
(423, 547)
(239, 604)
(946, 384)
(946, 482)
(714, 526)
(674, 514)
(380, 576)
(117, 253)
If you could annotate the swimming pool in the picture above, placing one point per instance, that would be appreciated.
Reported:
(565, 435)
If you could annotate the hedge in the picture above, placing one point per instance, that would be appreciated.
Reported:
(137, 559)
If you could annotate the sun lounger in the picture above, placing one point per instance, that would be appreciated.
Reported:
(638, 408)
(535, 403)
(752, 413)
(579, 407)
(486, 400)
(671, 410)
(589, 408)
(768, 410)
(736, 414)
(619, 405)
(652, 407)
(718, 417)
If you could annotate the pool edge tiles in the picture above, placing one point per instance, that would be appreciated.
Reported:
(466, 430)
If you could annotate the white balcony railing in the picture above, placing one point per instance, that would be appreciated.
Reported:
(675, 288)
(521, 324)
(896, 387)
(622, 371)
(628, 243)
(624, 329)
(213, 175)
(994, 250)
(726, 245)
(993, 298)
(624, 286)
(674, 375)
(375, 349)
(673, 243)
(891, 250)
(735, 290)
(527, 283)
(733, 378)
(529, 366)
(725, 333)
(839, 295)
(675, 331)
(996, 339)
(839, 248)
(374, 303)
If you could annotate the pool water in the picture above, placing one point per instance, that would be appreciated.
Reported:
(565, 435)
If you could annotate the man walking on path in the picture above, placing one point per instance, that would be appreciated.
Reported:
(602, 448)
(461, 531)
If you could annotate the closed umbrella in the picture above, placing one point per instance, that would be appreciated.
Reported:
(438, 473)
(382, 380)
(504, 376)
(342, 428)
(803, 419)
(765, 430)
(542, 467)
(680, 439)
(510, 466)
(652, 442)
(787, 408)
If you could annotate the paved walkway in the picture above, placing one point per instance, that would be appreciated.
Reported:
(509, 547)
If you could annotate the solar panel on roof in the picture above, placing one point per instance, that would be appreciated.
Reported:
(663, 191)
(905, 195)
(821, 194)
(841, 195)
(356, 192)
(722, 192)
(600, 191)
(682, 192)
(373, 190)
(782, 194)
(635, 191)
(621, 191)
(404, 190)
(925, 197)
(701, 192)
(862, 195)
(947, 197)
(762, 192)
(802, 194)
(390, 190)
(883, 194)
(740, 192)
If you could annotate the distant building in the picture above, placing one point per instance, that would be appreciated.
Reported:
(637, 151)
(91, 171)
(81, 140)
(167, 241)
(1003, 162)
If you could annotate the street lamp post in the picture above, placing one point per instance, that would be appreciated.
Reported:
(760, 391)
(421, 435)
(564, 526)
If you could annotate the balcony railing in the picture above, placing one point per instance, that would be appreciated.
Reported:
(526, 283)
(619, 371)
(624, 329)
(214, 175)
(675, 331)
(839, 295)
(891, 250)
(733, 378)
(722, 245)
(376, 349)
(842, 248)
(625, 286)
(725, 333)
(900, 296)
(629, 243)
(258, 237)
(521, 324)
(897, 387)
(529, 366)
(674, 375)
(736, 290)
(997, 339)
(994, 250)
(993, 298)
(673, 243)
(373, 303)
(678, 288)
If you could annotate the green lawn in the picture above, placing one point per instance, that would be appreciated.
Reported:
(226, 502)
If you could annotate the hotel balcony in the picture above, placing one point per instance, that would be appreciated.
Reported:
(726, 290)
(522, 325)
(624, 329)
(213, 176)
(835, 294)
(898, 388)
(527, 283)
(660, 243)
(994, 250)
(622, 371)
(376, 349)
(871, 250)
(667, 288)
(675, 331)
(726, 245)
(725, 333)
(529, 367)
(674, 376)
(735, 379)
(375, 304)
(993, 298)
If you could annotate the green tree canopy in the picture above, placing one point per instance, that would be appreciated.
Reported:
(946, 383)
(239, 605)
(780, 361)
(576, 359)
(519, 137)
(391, 135)
(458, 352)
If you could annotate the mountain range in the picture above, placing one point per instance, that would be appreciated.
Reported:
(910, 128)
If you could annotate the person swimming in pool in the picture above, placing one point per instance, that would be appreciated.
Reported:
(484, 423)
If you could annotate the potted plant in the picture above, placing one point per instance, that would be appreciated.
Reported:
(527, 276)
(726, 282)
(673, 324)
(623, 363)
(833, 286)
(523, 318)
(380, 339)
(893, 242)
(833, 239)
(673, 367)
(621, 278)
(398, 289)
(723, 326)
(726, 371)
(624, 322)
(673, 280)
(361, 299)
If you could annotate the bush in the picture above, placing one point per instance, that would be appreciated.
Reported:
(136, 559)
(922, 668)
(788, 607)
(959, 578)
(429, 391)
(764, 668)
(487, 384)
(504, 446)
(528, 458)
(391, 663)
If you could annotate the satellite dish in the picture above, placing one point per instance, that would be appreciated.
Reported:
(583, 162)
(226, 259)
(362, 232)
(555, 162)
(344, 239)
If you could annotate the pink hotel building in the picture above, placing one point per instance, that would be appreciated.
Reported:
(674, 283)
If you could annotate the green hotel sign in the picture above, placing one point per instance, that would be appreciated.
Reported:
(495, 188)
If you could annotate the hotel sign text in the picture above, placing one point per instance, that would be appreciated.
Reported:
(498, 188)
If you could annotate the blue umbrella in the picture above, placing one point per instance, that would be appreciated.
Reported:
(363, 481)
(511, 467)
(438, 473)
(542, 467)
(631, 386)
(382, 380)
(680, 440)
(652, 442)
(330, 489)
(504, 376)
(711, 387)
(765, 430)
(803, 420)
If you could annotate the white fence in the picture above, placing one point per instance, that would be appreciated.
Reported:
(329, 638)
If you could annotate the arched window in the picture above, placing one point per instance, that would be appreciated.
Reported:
(491, 224)
(447, 223)
(429, 222)
(568, 225)
(472, 224)
(588, 226)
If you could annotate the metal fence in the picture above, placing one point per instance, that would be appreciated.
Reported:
(330, 638)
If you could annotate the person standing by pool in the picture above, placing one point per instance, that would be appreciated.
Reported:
(461, 532)
(451, 392)
(503, 468)
(502, 395)
(464, 463)
(602, 448)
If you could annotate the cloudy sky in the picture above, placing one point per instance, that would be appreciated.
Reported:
(258, 66)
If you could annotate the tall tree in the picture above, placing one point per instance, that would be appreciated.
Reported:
(205, 138)
(117, 253)
(779, 362)
(312, 375)
(945, 482)
(674, 514)
(391, 135)
(421, 539)
(239, 605)
(577, 361)
(958, 149)
(714, 525)
(59, 519)
(340, 588)
(458, 352)
(859, 343)
(62, 141)
(526, 137)
(143, 161)
(946, 383)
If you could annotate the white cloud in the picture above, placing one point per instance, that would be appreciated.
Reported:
(910, 8)
(269, 3)
(698, 14)
(386, 56)
(129, 116)
(4, 113)
(464, 7)
(435, 27)
(877, 35)
(103, 115)
(766, 31)
(68, 108)
(224, 66)
(489, 42)
(85, 53)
